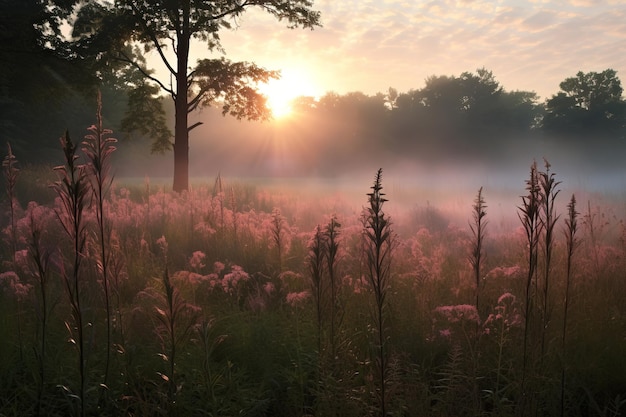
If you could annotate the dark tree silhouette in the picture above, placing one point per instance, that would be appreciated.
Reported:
(107, 33)
(588, 102)
(37, 75)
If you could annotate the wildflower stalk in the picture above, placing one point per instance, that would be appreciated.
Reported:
(98, 147)
(529, 216)
(332, 247)
(204, 332)
(278, 226)
(73, 190)
(11, 173)
(173, 328)
(218, 191)
(317, 253)
(233, 204)
(40, 259)
(548, 219)
(378, 251)
(571, 228)
(476, 259)
(478, 231)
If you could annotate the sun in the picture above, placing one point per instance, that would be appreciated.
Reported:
(281, 92)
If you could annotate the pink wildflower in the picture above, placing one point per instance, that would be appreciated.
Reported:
(144, 247)
(204, 229)
(232, 279)
(507, 298)
(197, 260)
(162, 243)
(445, 333)
(213, 280)
(268, 288)
(458, 313)
(295, 298)
(21, 258)
(13, 282)
(218, 267)
(504, 271)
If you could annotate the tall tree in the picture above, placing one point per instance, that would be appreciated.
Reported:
(588, 101)
(113, 34)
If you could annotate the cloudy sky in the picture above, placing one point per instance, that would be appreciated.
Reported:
(371, 45)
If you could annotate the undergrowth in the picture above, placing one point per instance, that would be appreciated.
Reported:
(228, 300)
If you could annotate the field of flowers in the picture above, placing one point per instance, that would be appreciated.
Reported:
(231, 300)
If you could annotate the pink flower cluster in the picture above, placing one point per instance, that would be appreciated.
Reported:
(504, 271)
(197, 260)
(458, 313)
(507, 313)
(296, 298)
(15, 285)
(233, 278)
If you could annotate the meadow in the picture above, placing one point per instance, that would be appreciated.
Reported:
(236, 300)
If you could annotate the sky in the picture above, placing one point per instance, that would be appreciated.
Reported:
(371, 45)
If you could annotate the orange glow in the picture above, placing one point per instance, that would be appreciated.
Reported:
(281, 92)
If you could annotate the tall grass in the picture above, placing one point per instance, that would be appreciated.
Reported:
(547, 197)
(379, 242)
(98, 147)
(529, 216)
(331, 234)
(11, 172)
(211, 328)
(570, 231)
(176, 320)
(40, 268)
(316, 258)
(477, 255)
(73, 190)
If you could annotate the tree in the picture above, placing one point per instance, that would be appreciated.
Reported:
(467, 114)
(589, 101)
(37, 76)
(112, 36)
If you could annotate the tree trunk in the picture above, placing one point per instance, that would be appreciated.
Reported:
(181, 130)
(181, 145)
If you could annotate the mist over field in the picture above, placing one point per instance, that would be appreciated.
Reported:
(455, 249)
(309, 159)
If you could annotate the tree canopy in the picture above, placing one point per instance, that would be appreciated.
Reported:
(37, 74)
(113, 36)
(587, 103)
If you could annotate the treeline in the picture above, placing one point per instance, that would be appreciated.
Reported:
(46, 88)
(469, 118)
(473, 115)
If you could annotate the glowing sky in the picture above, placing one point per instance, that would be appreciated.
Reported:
(371, 45)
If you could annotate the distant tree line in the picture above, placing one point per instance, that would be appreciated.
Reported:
(45, 87)
(467, 117)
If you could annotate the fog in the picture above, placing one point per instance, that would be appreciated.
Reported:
(311, 159)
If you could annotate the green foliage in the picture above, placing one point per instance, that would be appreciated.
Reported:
(213, 337)
(109, 35)
(587, 103)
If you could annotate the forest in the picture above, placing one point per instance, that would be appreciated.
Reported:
(333, 293)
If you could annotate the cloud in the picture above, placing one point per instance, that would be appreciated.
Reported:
(369, 45)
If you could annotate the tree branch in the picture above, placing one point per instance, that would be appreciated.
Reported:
(144, 72)
(195, 102)
(193, 126)
(154, 40)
